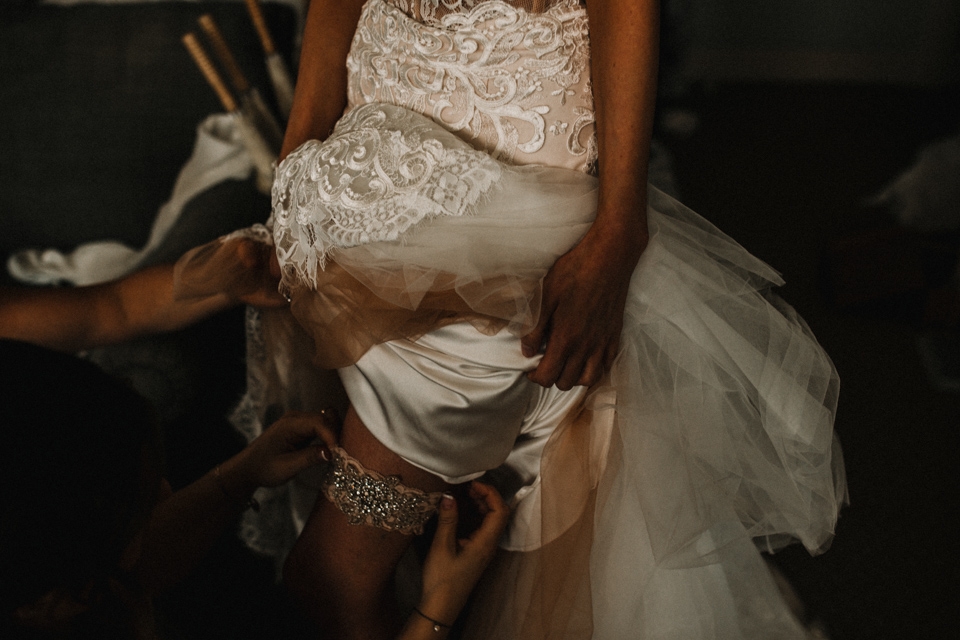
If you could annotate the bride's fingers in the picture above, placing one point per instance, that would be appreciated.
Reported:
(556, 355)
(594, 368)
(531, 343)
(580, 352)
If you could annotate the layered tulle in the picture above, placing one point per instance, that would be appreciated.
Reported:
(722, 405)
(484, 267)
(711, 435)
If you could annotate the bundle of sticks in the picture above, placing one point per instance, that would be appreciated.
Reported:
(258, 127)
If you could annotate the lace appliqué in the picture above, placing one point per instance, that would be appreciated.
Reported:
(257, 233)
(432, 11)
(492, 73)
(382, 171)
(367, 497)
(270, 531)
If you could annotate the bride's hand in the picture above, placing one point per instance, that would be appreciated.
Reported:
(581, 315)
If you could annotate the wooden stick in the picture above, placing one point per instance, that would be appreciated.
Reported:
(256, 14)
(209, 72)
(223, 52)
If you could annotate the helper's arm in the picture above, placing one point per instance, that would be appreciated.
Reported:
(184, 526)
(143, 303)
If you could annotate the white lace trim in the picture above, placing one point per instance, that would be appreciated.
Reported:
(512, 83)
(382, 171)
(258, 233)
(432, 11)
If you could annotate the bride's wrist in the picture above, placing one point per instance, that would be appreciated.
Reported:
(622, 221)
(621, 242)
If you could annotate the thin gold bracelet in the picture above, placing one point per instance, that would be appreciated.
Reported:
(251, 501)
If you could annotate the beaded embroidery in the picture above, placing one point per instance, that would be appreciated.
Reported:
(492, 73)
(370, 498)
(384, 170)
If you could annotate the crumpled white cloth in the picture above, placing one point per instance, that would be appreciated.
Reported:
(925, 195)
(218, 155)
(299, 6)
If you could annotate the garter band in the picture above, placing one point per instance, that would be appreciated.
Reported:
(371, 498)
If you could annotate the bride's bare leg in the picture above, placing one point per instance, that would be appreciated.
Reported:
(342, 574)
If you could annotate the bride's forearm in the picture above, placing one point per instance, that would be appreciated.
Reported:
(624, 41)
(321, 90)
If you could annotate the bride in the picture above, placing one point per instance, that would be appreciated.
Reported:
(474, 248)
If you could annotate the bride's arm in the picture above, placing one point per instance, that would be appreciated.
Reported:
(585, 292)
(321, 89)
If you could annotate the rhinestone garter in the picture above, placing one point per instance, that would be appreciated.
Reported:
(370, 498)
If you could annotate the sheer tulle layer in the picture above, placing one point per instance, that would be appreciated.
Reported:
(722, 406)
(723, 399)
(484, 267)
(731, 396)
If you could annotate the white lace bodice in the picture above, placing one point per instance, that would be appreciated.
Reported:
(502, 82)
(511, 81)
(432, 11)
(383, 170)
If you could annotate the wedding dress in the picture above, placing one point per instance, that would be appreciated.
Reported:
(413, 242)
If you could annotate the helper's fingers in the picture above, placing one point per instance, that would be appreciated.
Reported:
(252, 254)
(496, 514)
(446, 536)
(297, 461)
(281, 468)
(302, 428)
(329, 427)
(274, 265)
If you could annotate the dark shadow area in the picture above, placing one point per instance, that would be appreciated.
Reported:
(786, 170)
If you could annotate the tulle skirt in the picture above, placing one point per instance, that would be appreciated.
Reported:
(710, 439)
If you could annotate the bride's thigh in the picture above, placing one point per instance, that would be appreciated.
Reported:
(341, 573)
(357, 440)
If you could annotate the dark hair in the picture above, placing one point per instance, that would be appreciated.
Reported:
(76, 451)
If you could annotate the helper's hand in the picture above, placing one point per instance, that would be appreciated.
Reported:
(260, 261)
(285, 449)
(581, 316)
(453, 567)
